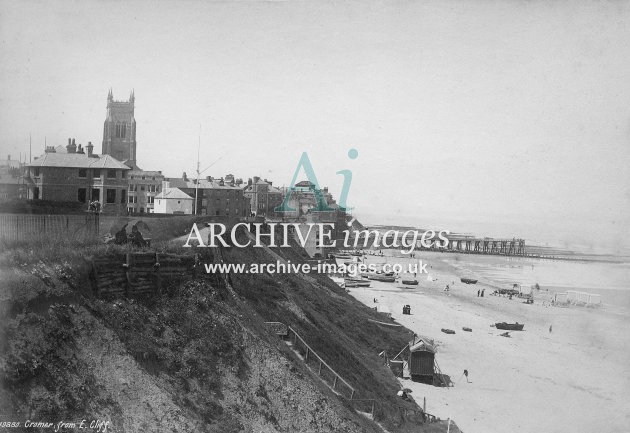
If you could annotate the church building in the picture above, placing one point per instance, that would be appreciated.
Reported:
(119, 130)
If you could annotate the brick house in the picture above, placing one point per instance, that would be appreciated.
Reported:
(214, 196)
(11, 181)
(144, 186)
(264, 197)
(76, 174)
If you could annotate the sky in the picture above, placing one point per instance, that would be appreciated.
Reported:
(499, 118)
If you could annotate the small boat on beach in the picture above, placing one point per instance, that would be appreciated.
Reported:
(510, 326)
(468, 280)
(410, 282)
(448, 331)
(342, 256)
(382, 277)
(357, 282)
(467, 329)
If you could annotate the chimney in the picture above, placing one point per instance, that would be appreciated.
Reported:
(165, 185)
(90, 148)
(71, 147)
(50, 149)
(249, 181)
(184, 177)
(80, 149)
(209, 178)
(256, 179)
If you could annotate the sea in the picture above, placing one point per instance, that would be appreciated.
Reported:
(602, 275)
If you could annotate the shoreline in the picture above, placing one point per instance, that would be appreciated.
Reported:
(522, 383)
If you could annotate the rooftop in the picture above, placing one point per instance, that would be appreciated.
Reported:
(60, 158)
(173, 193)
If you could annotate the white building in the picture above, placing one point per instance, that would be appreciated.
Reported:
(173, 201)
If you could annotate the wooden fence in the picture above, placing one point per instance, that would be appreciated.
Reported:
(33, 227)
(137, 274)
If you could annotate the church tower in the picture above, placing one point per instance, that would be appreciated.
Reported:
(119, 131)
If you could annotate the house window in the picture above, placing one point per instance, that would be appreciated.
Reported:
(111, 196)
(82, 173)
(151, 200)
(141, 187)
(111, 174)
(133, 187)
(123, 174)
(133, 199)
(82, 195)
(123, 196)
(96, 173)
(96, 194)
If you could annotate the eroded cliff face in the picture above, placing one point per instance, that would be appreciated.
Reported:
(192, 360)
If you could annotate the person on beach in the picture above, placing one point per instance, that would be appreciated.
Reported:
(466, 374)
(483, 291)
(550, 328)
(478, 293)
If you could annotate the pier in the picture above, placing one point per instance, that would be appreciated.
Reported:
(467, 244)
(472, 245)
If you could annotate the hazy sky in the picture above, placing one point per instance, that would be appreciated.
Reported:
(508, 117)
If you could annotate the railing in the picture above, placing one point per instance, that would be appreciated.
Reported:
(327, 374)
(325, 371)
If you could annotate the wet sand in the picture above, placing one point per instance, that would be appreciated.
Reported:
(574, 379)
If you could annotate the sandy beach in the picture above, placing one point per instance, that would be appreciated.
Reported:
(573, 379)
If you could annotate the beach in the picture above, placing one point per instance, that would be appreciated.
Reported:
(572, 379)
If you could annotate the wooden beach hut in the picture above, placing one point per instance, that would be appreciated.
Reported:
(422, 360)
